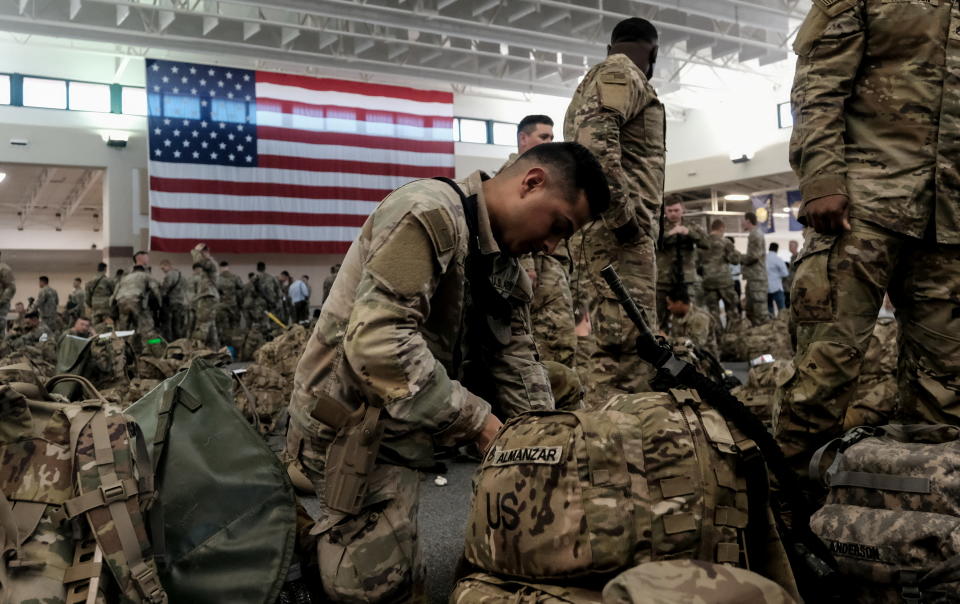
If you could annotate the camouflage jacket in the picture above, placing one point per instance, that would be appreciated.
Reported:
(8, 284)
(697, 326)
(400, 326)
(720, 254)
(205, 283)
(551, 311)
(268, 288)
(688, 246)
(173, 288)
(875, 113)
(231, 288)
(616, 114)
(99, 290)
(755, 260)
(47, 302)
(137, 285)
(38, 335)
(76, 301)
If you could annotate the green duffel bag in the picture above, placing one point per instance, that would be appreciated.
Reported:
(228, 510)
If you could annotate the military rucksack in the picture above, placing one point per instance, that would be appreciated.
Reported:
(230, 516)
(483, 588)
(101, 359)
(75, 481)
(743, 343)
(763, 379)
(892, 516)
(647, 477)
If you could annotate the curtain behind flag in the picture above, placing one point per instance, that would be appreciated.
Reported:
(794, 199)
(254, 161)
(763, 208)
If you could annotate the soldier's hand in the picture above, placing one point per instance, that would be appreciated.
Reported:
(829, 215)
(491, 426)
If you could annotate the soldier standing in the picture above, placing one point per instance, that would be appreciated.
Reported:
(328, 282)
(204, 296)
(173, 306)
(678, 258)
(429, 297)
(47, 303)
(267, 288)
(136, 293)
(616, 114)
(755, 271)
(875, 147)
(794, 247)
(98, 294)
(717, 280)
(551, 311)
(230, 287)
(8, 287)
(75, 302)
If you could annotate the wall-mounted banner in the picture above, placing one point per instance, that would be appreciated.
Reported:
(763, 208)
(794, 199)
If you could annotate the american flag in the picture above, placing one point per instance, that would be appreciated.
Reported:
(254, 161)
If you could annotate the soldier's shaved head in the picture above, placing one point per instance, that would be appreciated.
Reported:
(637, 39)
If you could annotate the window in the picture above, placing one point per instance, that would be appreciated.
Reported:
(4, 90)
(784, 115)
(43, 92)
(472, 131)
(222, 110)
(133, 101)
(504, 134)
(181, 106)
(89, 97)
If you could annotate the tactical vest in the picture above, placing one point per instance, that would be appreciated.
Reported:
(74, 484)
(648, 477)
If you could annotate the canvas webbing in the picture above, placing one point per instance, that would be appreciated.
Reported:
(27, 515)
(881, 482)
(251, 401)
(11, 539)
(838, 445)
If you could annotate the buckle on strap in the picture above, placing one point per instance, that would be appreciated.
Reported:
(910, 586)
(114, 492)
(148, 584)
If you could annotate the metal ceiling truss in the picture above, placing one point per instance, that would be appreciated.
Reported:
(537, 46)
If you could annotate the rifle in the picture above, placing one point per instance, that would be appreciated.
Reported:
(813, 564)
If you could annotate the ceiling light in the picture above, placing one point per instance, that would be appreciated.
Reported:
(736, 197)
(2, 176)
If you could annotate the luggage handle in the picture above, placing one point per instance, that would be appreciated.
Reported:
(88, 388)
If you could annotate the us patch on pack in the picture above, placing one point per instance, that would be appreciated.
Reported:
(525, 455)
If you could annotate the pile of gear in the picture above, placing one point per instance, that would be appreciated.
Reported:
(266, 384)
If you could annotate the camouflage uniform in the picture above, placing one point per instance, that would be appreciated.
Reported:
(75, 306)
(266, 297)
(717, 281)
(98, 293)
(173, 293)
(686, 250)
(37, 335)
(697, 326)
(133, 303)
(682, 581)
(328, 285)
(877, 119)
(755, 274)
(46, 304)
(401, 330)
(203, 300)
(551, 312)
(875, 400)
(616, 114)
(8, 287)
(230, 287)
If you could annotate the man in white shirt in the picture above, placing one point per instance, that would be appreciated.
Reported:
(299, 294)
(776, 273)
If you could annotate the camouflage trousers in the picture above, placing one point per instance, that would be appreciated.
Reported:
(132, 315)
(551, 312)
(174, 322)
(612, 363)
(228, 324)
(731, 304)
(4, 311)
(373, 556)
(837, 294)
(205, 322)
(101, 312)
(693, 289)
(756, 302)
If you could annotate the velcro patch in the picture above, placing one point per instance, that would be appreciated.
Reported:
(855, 550)
(525, 455)
(441, 231)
